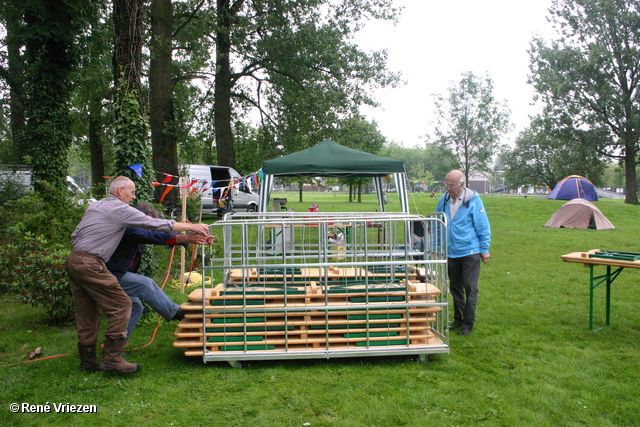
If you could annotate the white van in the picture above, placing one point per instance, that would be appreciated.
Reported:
(242, 195)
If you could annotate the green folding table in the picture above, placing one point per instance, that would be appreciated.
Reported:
(614, 262)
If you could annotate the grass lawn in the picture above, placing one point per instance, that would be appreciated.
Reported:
(531, 360)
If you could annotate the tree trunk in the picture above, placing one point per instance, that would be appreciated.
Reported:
(222, 90)
(15, 80)
(130, 139)
(95, 148)
(161, 115)
(127, 51)
(630, 174)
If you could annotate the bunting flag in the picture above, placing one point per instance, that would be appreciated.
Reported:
(167, 177)
(193, 181)
(228, 189)
(137, 168)
(203, 185)
(167, 191)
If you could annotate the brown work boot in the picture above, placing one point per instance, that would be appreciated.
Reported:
(113, 361)
(88, 359)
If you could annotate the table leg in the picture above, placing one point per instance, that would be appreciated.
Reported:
(597, 281)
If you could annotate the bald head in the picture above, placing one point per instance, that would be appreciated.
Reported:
(123, 188)
(455, 183)
(455, 177)
(119, 182)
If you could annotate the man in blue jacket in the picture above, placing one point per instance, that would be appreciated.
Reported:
(125, 261)
(469, 238)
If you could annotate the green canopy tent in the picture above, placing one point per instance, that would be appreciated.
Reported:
(331, 159)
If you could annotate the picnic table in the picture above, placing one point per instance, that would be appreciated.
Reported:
(614, 262)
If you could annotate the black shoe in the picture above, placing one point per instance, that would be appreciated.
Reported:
(465, 331)
(454, 326)
(179, 314)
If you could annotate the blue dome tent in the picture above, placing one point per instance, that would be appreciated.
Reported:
(574, 187)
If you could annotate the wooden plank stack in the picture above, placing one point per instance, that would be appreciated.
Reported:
(263, 312)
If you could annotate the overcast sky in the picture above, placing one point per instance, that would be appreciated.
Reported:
(436, 41)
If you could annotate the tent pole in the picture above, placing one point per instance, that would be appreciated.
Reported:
(377, 180)
(265, 192)
(401, 185)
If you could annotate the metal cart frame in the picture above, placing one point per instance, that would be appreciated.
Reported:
(290, 285)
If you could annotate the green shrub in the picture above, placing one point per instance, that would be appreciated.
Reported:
(54, 220)
(9, 256)
(12, 186)
(35, 245)
(34, 269)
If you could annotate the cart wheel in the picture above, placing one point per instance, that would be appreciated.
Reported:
(235, 364)
(422, 358)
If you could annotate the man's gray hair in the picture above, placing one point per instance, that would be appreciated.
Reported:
(147, 209)
(119, 182)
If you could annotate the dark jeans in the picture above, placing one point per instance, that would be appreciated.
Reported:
(463, 284)
(95, 288)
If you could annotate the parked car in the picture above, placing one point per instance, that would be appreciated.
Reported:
(220, 197)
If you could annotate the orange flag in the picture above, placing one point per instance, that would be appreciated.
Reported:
(167, 191)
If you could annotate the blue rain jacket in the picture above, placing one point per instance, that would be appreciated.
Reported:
(469, 231)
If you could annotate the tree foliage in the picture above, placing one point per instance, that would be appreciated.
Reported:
(588, 78)
(12, 73)
(431, 163)
(92, 103)
(471, 123)
(360, 134)
(130, 142)
(283, 74)
(131, 123)
(544, 154)
(50, 35)
(292, 62)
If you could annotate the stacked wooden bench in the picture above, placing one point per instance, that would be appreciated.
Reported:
(310, 310)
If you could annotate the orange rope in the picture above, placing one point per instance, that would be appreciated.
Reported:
(35, 360)
(193, 257)
(155, 331)
(166, 279)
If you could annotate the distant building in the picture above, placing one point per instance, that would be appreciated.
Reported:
(479, 182)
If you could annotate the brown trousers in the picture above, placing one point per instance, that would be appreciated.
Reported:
(95, 288)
